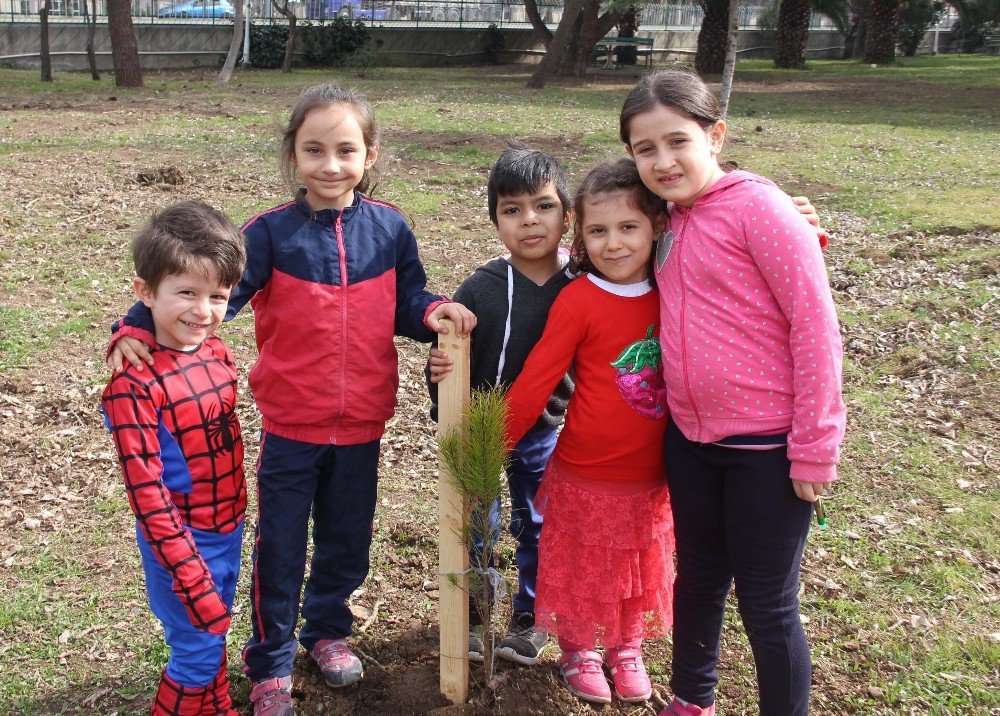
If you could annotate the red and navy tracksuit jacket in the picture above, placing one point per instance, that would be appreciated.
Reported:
(329, 291)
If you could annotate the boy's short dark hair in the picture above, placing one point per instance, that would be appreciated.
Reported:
(521, 170)
(189, 236)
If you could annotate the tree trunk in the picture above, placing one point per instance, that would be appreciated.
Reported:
(90, 20)
(858, 10)
(627, 27)
(124, 48)
(883, 24)
(732, 45)
(535, 18)
(235, 44)
(793, 33)
(561, 46)
(286, 66)
(579, 29)
(711, 55)
(43, 51)
(862, 32)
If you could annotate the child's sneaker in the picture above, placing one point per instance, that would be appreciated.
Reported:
(523, 643)
(582, 673)
(628, 674)
(272, 697)
(676, 708)
(477, 650)
(340, 666)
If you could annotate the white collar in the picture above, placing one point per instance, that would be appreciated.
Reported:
(627, 290)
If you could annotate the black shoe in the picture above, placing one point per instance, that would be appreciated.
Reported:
(523, 644)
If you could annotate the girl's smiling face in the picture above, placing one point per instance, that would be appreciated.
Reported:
(331, 156)
(676, 157)
(618, 237)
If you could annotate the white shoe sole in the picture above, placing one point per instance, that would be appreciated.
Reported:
(505, 652)
(634, 699)
(589, 698)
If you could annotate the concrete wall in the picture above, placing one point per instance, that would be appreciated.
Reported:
(164, 46)
(160, 46)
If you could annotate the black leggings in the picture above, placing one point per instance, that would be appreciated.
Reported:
(736, 516)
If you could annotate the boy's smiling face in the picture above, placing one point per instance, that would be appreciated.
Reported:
(187, 307)
(531, 226)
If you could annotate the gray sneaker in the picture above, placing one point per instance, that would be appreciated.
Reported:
(477, 650)
(523, 644)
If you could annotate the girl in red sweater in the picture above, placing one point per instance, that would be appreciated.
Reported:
(605, 554)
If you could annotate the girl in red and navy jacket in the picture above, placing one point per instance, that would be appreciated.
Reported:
(752, 363)
(338, 272)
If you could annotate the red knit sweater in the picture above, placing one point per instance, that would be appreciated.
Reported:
(604, 437)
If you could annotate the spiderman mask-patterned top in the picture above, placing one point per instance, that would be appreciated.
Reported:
(181, 454)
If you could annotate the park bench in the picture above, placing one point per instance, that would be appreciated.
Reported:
(992, 43)
(604, 49)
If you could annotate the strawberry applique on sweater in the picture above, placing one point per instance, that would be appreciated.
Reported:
(639, 378)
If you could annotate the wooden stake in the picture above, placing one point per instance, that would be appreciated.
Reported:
(453, 555)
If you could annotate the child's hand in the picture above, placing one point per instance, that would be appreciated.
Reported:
(810, 491)
(131, 349)
(463, 318)
(807, 210)
(440, 365)
(205, 607)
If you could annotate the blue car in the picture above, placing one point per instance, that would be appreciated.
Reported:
(199, 8)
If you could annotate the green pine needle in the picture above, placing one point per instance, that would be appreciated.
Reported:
(475, 452)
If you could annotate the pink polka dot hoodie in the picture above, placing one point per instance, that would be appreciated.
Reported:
(750, 340)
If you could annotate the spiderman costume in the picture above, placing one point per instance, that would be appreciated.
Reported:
(181, 454)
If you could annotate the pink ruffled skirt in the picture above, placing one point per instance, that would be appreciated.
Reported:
(605, 562)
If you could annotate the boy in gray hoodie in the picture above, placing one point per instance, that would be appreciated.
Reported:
(529, 204)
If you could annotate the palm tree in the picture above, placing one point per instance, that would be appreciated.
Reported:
(711, 55)
(793, 27)
(977, 17)
(883, 25)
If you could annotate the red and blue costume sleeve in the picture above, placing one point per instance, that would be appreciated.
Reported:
(181, 456)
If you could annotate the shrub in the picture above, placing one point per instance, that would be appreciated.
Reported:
(495, 44)
(329, 43)
(267, 45)
(368, 61)
(915, 18)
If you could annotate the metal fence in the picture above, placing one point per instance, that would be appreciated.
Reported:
(683, 16)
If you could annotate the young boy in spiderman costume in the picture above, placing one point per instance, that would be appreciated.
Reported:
(181, 453)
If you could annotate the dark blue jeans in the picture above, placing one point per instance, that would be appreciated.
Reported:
(337, 485)
(736, 517)
(527, 465)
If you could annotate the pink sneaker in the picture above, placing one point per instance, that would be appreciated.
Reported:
(340, 666)
(582, 673)
(676, 708)
(272, 697)
(628, 674)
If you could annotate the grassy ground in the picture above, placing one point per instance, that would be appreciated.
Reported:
(900, 596)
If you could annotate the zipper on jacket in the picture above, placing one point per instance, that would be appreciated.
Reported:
(684, 349)
(342, 254)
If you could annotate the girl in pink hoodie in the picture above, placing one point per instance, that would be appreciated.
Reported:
(752, 358)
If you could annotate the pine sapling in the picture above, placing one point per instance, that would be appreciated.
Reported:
(476, 457)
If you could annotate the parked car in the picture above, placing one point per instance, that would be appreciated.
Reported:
(352, 9)
(199, 8)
